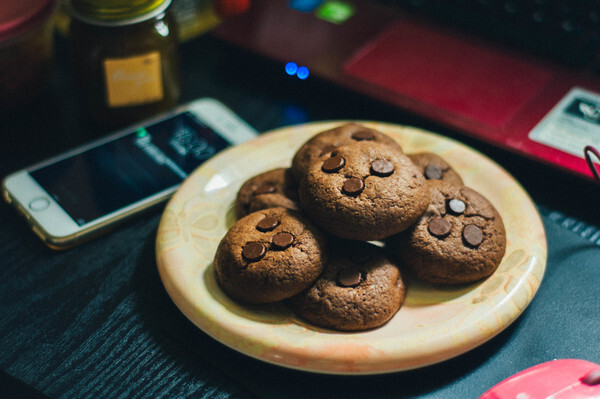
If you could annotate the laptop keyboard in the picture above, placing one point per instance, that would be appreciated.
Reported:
(565, 31)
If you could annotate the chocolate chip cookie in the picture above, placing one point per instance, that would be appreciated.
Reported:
(434, 167)
(270, 255)
(360, 289)
(363, 191)
(329, 139)
(271, 189)
(459, 239)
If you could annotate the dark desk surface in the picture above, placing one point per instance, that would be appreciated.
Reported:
(95, 321)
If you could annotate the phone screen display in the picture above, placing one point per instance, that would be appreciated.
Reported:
(130, 168)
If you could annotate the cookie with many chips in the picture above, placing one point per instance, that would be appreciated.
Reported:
(363, 191)
(361, 288)
(459, 239)
(327, 140)
(270, 255)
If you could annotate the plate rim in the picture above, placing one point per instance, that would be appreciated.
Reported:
(190, 310)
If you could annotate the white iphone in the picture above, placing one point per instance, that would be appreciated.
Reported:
(78, 195)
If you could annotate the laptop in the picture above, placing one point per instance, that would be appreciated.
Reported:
(456, 63)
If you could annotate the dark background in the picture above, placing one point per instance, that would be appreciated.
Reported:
(95, 321)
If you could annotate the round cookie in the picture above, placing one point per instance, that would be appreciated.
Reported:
(434, 167)
(364, 191)
(329, 139)
(360, 289)
(271, 189)
(459, 239)
(270, 255)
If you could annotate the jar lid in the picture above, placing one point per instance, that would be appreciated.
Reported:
(116, 10)
(17, 17)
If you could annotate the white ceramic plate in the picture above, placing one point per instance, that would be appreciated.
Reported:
(435, 323)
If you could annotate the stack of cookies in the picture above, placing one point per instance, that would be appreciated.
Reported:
(332, 234)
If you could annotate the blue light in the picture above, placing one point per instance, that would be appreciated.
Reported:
(302, 73)
(305, 5)
(291, 68)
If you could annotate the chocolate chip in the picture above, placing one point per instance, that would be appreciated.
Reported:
(363, 135)
(333, 164)
(472, 235)
(254, 251)
(433, 172)
(268, 224)
(283, 240)
(439, 227)
(382, 168)
(349, 277)
(353, 186)
(266, 188)
(456, 206)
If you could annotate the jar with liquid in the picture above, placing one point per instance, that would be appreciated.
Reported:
(125, 59)
(26, 50)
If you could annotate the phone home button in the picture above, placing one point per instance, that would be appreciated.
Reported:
(39, 204)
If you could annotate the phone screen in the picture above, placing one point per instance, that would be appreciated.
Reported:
(129, 168)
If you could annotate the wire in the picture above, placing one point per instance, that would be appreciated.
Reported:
(587, 151)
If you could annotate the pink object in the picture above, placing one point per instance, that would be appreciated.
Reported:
(501, 84)
(559, 379)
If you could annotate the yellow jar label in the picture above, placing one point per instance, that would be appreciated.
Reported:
(133, 80)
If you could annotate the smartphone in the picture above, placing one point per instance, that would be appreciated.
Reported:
(82, 193)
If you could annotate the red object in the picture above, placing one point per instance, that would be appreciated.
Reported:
(501, 84)
(559, 379)
(230, 8)
(17, 17)
(475, 87)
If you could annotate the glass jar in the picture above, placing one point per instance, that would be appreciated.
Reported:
(125, 59)
(194, 17)
(26, 50)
